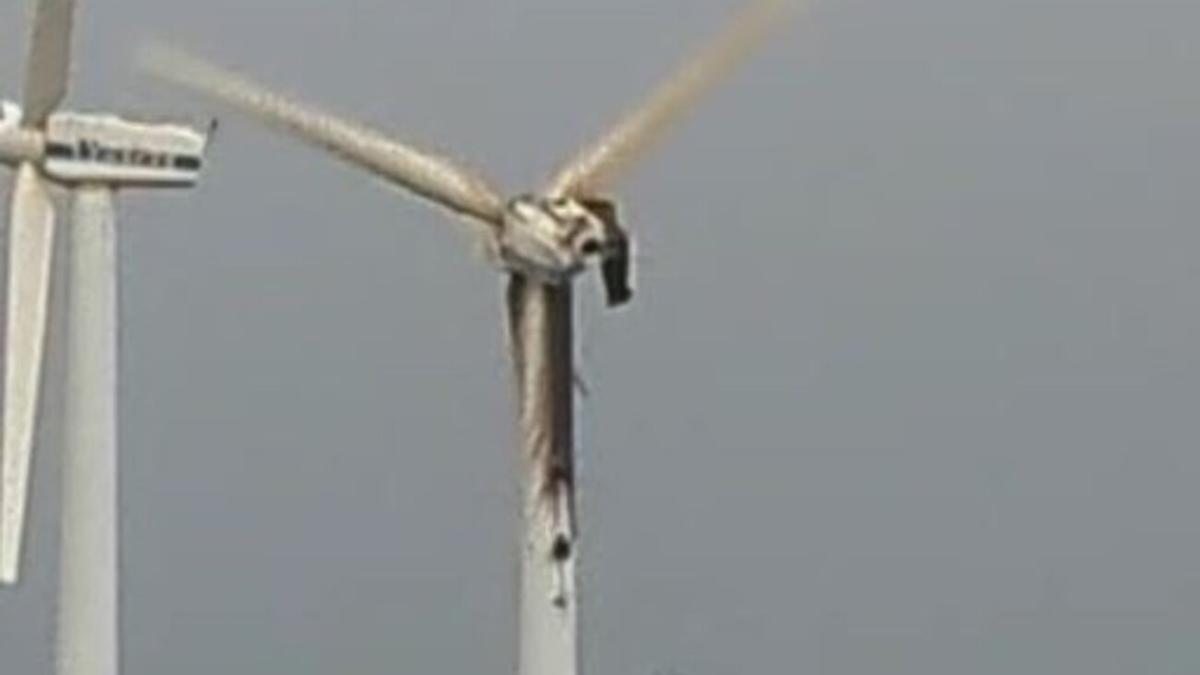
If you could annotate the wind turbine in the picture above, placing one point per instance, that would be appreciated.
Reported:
(91, 156)
(542, 241)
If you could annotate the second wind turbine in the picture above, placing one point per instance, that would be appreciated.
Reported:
(91, 156)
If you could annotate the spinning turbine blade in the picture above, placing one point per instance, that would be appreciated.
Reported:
(47, 70)
(594, 169)
(30, 245)
(430, 176)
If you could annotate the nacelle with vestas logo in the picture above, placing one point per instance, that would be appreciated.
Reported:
(104, 149)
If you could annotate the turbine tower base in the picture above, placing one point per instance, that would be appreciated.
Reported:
(87, 610)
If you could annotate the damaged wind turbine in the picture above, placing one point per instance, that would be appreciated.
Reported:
(542, 241)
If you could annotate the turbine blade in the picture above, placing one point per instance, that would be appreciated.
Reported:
(49, 64)
(514, 310)
(540, 321)
(540, 326)
(594, 169)
(431, 176)
(30, 246)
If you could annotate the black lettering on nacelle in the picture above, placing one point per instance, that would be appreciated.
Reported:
(89, 150)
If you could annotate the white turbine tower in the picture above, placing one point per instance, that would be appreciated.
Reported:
(91, 156)
(542, 242)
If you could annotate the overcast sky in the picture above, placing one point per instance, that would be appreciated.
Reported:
(911, 384)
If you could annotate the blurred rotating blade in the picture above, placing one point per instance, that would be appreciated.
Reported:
(30, 245)
(599, 165)
(49, 64)
(429, 175)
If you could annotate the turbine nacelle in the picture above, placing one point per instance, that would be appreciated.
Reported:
(554, 239)
(98, 149)
(88, 148)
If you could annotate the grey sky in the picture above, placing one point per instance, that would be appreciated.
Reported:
(911, 385)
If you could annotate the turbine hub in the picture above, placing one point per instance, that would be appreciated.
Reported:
(552, 239)
(21, 145)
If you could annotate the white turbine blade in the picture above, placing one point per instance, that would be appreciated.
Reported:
(540, 320)
(48, 68)
(599, 165)
(428, 175)
(30, 245)
(540, 331)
